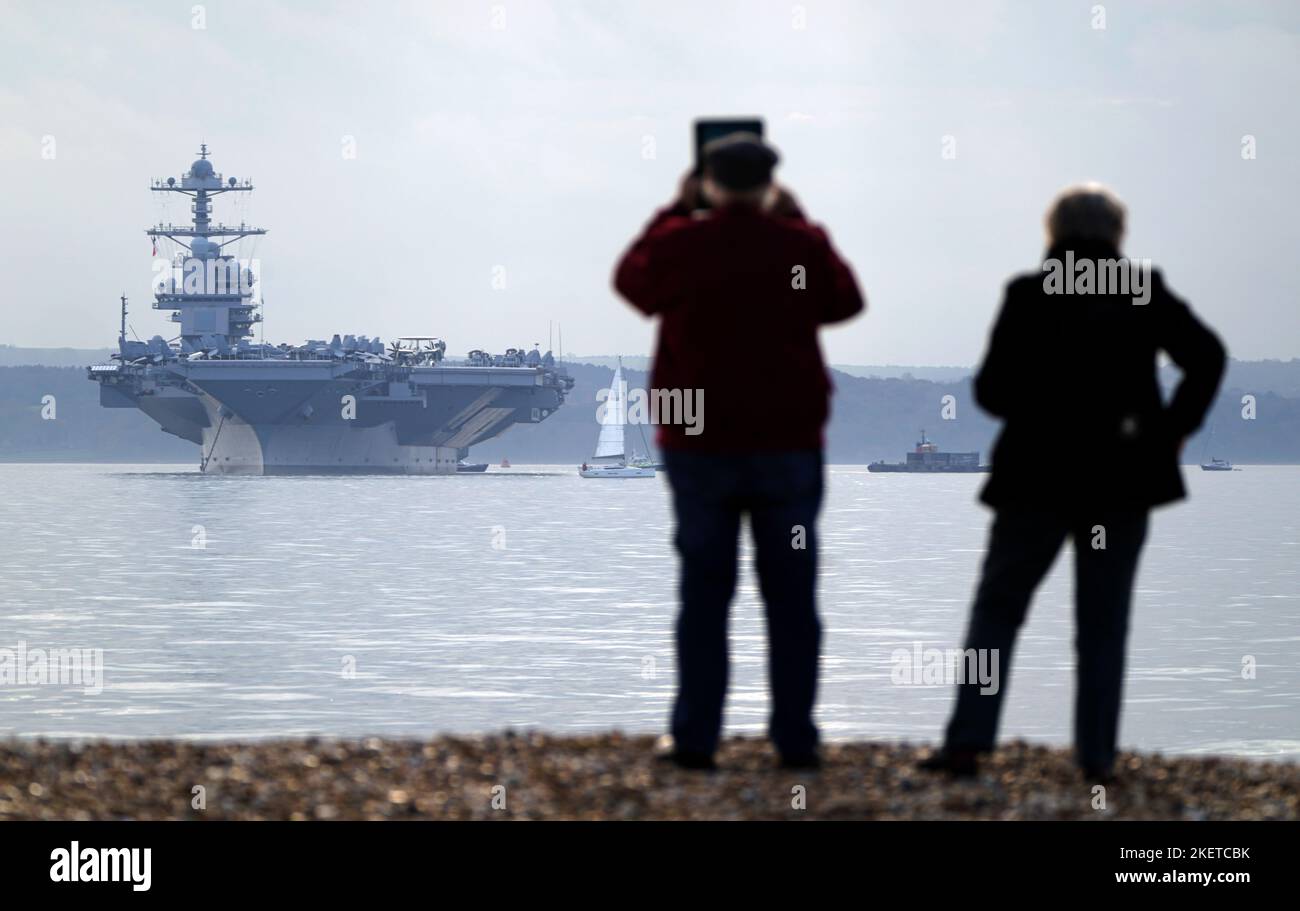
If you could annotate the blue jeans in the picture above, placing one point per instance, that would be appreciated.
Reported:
(782, 493)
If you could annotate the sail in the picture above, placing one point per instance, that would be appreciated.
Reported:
(610, 444)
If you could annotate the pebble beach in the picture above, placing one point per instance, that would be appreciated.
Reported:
(533, 776)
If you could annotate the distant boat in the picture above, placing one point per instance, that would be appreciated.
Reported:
(926, 458)
(1215, 464)
(505, 463)
(472, 467)
(1218, 465)
(611, 450)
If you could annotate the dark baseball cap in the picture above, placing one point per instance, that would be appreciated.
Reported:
(740, 161)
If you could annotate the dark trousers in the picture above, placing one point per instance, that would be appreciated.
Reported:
(1022, 547)
(782, 494)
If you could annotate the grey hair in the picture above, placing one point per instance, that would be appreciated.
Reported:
(1086, 211)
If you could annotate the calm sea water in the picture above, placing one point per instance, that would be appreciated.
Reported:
(532, 598)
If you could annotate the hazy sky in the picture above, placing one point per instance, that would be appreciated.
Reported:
(539, 136)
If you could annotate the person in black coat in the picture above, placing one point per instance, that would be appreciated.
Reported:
(1088, 447)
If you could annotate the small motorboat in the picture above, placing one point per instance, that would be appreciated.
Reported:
(1218, 465)
(1214, 464)
(471, 467)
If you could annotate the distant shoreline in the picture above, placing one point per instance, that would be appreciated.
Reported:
(871, 420)
(494, 467)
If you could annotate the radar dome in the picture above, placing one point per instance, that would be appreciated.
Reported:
(204, 248)
(201, 168)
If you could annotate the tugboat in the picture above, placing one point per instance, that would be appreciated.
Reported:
(926, 457)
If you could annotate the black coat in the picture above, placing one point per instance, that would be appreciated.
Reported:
(1074, 379)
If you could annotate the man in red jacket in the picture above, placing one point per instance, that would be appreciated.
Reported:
(741, 290)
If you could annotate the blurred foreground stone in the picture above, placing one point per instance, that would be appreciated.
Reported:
(608, 776)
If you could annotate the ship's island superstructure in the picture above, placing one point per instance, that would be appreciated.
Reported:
(349, 405)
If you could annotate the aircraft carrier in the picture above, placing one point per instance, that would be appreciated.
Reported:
(345, 406)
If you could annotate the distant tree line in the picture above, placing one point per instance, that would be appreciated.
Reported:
(872, 418)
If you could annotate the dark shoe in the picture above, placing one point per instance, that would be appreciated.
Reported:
(1098, 774)
(684, 759)
(801, 762)
(957, 763)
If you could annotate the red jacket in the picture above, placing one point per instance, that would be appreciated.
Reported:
(736, 325)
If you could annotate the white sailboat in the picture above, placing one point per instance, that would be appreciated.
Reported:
(610, 459)
(1215, 464)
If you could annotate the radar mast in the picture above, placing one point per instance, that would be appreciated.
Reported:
(209, 292)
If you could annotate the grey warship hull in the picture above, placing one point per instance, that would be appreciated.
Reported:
(331, 417)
